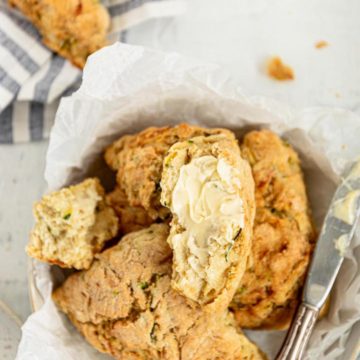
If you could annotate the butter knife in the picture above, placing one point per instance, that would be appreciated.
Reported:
(336, 233)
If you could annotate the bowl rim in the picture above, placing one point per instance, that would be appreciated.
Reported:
(35, 297)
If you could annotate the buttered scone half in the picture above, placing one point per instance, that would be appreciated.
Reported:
(138, 160)
(209, 190)
(72, 28)
(283, 236)
(124, 306)
(72, 225)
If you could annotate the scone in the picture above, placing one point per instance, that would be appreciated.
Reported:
(283, 235)
(124, 306)
(138, 160)
(209, 190)
(72, 225)
(72, 28)
(131, 218)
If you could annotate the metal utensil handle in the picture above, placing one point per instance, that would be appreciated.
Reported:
(299, 333)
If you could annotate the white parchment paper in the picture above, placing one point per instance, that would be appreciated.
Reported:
(127, 88)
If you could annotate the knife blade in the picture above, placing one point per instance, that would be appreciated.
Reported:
(335, 236)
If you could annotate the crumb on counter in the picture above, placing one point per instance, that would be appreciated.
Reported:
(321, 44)
(277, 70)
(283, 235)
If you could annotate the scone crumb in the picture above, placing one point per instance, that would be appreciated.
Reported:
(277, 70)
(321, 44)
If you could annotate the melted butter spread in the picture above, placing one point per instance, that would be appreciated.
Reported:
(355, 172)
(207, 203)
(345, 209)
(341, 244)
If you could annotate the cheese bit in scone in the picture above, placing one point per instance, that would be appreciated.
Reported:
(72, 28)
(72, 225)
(209, 189)
(124, 306)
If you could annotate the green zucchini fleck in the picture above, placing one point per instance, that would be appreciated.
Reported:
(144, 285)
(67, 216)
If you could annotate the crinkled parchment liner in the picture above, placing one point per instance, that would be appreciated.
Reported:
(127, 88)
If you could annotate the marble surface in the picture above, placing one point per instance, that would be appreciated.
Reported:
(238, 34)
(242, 34)
(21, 183)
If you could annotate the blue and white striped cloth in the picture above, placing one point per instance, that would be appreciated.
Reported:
(32, 78)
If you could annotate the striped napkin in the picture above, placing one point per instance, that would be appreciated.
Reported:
(32, 78)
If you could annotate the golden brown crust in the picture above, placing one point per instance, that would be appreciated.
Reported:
(138, 158)
(283, 235)
(124, 306)
(72, 28)
(131, 218)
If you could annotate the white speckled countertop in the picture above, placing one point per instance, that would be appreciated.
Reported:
(240, 35)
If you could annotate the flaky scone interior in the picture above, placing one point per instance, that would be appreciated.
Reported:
(72, 225)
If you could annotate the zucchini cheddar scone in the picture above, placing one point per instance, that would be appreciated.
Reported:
(209, 190)
(72, 28)
(283, 236)
(138, 160)
(72, 225)
(125, 307)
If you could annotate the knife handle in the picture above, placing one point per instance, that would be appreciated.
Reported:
(299, 333)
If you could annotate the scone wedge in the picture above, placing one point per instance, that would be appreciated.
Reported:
(72, 225)
(283, 239)
(72, 28)
(209, 190)
(124, 306)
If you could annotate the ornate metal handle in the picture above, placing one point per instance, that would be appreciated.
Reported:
(299, 333)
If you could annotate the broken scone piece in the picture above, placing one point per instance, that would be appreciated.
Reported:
(124, 306)
(72, 225)
(210, 191)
